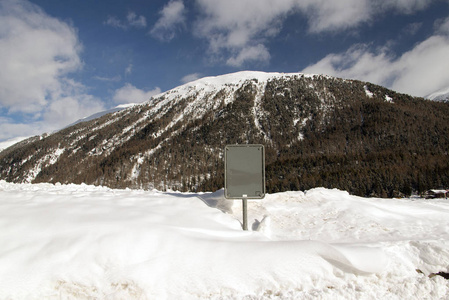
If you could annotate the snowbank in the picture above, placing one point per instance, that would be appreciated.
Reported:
(78, 241)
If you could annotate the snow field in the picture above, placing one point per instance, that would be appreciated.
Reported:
(86, 242)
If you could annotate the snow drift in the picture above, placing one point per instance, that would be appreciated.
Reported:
(79, 241)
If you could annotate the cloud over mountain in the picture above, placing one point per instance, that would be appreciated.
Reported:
(404, 73)
(130, 94)
(172, 15)
(37, 53)
(236, 29)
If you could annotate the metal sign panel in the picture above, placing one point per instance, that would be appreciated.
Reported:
(244, 171)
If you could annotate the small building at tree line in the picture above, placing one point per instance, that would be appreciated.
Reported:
(431, 194)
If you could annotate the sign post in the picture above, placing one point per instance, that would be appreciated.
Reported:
(245, 213)
(245, 174)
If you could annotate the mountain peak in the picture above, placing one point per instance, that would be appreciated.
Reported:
(212, 83)
(233, 78)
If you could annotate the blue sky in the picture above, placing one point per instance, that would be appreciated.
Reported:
(66, 59)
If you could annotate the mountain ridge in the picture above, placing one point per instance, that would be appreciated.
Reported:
(310, 124)
(440, 95)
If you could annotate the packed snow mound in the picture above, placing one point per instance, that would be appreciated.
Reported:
(84, 242)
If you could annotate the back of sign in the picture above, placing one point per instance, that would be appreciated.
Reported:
(244, 171)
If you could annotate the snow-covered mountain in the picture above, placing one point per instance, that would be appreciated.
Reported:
(440, 95)
(102, 113)
(317, 130)
(10, 142)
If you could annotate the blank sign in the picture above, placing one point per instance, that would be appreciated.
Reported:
(244, 171)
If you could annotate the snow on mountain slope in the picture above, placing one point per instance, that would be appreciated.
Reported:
(10, 142)
(176, 139)
(441, 95)
(204, 91)
(214, 83)
(182, 106)
(102, 113)
(85, 242)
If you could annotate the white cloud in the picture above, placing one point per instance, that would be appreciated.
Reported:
(358, 62)
(238, 26)
(10, 129)
(402, 6)
(37, 55)
(132, 20)
(424, 69)
(129, 69)
(36, 51)
(241, 27)
(135, 20)
(58, 114)
(442, 26)
(130, 94)
(116, 78)
(419, 72)
(252, 53)
(71, 108)
(328, 15)
(171, 16)
(190, 77)
(115, 22)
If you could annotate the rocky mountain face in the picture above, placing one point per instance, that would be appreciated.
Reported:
(317, 131)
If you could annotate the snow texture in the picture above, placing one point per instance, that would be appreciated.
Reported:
(86, 242)
(368, 93)
(441, 95)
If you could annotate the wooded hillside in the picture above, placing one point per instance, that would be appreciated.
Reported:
(317, 131)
